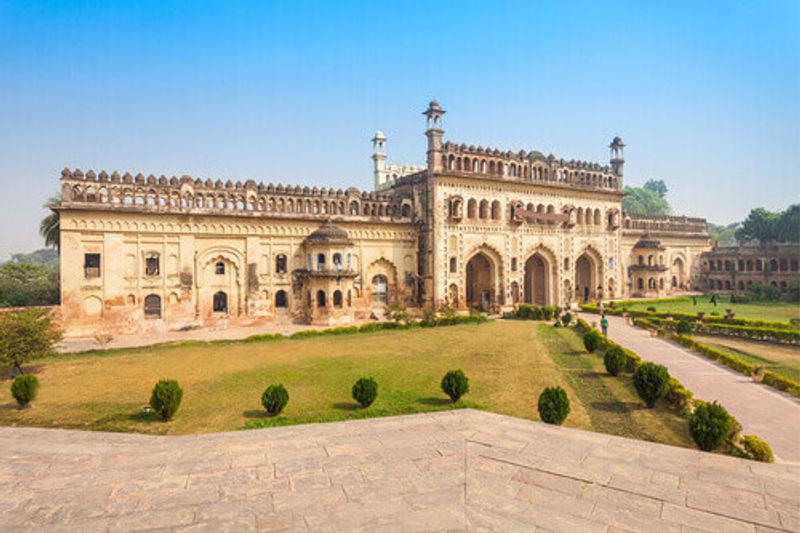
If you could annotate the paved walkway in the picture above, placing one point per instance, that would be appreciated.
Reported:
(763, 411)
(454, 470)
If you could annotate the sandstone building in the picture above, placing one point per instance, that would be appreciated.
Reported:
(473, 227)
(741, 268)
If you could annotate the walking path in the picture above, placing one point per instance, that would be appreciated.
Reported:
(762, 411)
(453, 470)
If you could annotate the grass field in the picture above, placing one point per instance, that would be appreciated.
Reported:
(781, 359)
(508, 362)
(779, 311)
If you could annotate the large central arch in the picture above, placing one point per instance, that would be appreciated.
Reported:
(537, 280)
(481, 281)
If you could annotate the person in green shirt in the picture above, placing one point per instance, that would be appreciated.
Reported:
(604, 325)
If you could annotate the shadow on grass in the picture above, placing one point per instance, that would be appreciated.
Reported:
(433, 400)
(257, 413)
(347, 406)
(618, 406)
(575, 352)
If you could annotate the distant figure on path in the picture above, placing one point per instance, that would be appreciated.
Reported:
(601, 307)
(604, 325)
(714, 299)
(694, 300)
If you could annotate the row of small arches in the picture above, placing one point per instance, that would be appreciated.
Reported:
(151, 197)
(534, 173)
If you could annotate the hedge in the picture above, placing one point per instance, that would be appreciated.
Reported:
(770, 378)
(780, 336)
(707, 319)
(380, 326)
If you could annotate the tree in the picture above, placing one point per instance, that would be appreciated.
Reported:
(641, 200)
(788, 225)
(760, 225)
(657, 186)
(23, 284)
(27, 335)
(50, 226)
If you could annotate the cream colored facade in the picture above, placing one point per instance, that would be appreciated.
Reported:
(476, 227)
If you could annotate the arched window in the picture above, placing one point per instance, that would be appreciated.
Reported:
(641, 260)
(321, 262)
(640, 283)
(453, 266)
(151, 264)
(380, 289)
(152, 306)
(280, 299)
(219, 268)
(405, 211)
(337, 262)
(320, 298)
(472, 208)
(280, 264)
(220, 302)
(484, 209)
(337, 299)
(495, 210)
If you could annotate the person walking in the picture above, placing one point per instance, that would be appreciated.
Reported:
(604, 325)
(602, 308)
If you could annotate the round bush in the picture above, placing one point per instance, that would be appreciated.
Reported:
(757, 449)
(651, 382)
(24, 388)
(651, 309)
(683, 327)
(591, 340)
(275, 399)
(455, 384)
(710, 425)
(566, 318)
(365, 391)
(166, 398)
(614, 360)
(553, 405)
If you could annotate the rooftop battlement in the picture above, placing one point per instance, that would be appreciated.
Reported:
(186, 194)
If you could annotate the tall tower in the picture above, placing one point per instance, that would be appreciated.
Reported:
(379, 159)
(434, 133)
(617, 156)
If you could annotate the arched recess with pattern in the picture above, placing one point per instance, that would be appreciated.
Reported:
(381, 276)
(540, 279)
(483, 273)
(588, 275)
(220, 269)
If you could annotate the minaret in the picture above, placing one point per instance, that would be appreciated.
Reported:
(617, 157)
(379, 159)
(434, 133)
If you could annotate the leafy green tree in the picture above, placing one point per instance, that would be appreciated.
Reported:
(25, 336)
(788, 225)
(760, 225)
(641, 200)
(23, 285)
(50, 226)
(657, 186)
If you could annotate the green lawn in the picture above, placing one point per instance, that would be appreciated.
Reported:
(509, 363)
(781, 359)
(778, 311)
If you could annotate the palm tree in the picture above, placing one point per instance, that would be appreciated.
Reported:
(50, 226)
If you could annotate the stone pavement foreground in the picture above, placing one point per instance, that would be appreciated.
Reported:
(454, 470)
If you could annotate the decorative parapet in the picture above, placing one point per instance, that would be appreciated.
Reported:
(527, 167)
(664, 225)
(189, 195)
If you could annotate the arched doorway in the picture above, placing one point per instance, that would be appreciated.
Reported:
(677, 273)
(480, 281)
(380, 290)
(537, 280)
(584, 278)
(220, 304)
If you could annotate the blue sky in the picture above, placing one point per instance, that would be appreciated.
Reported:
(705, 94)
